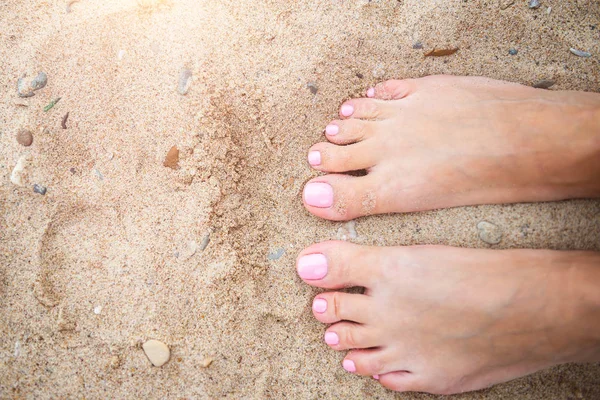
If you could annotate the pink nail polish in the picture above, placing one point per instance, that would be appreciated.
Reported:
(371, 92)
(347, 110)
(376, 377)
(349, 365)
(318, 194)
(314, 158)
(312, 267)
(319, 305)
(332, 338)
(332, 130)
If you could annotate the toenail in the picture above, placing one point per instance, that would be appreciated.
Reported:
(320, 305)
(314, 158)
(318, 194)
(332, 338)
(349, 365)
(376, 377)
(371, 92)
(332, 130)
(312, 267)
(347, 110)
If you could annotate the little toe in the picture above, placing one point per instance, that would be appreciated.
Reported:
(395, 89)
(349, 335)
(346, 131)
(342, 197)
(401, 381)
(365, 108)
(329, 157)
(336, 264)
(340, 306)
(369, 362)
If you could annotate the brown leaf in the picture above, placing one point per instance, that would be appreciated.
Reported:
(172, 158)
(441, 52)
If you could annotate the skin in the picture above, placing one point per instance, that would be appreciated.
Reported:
(441, 319)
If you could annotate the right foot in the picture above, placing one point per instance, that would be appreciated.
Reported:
(444, 141)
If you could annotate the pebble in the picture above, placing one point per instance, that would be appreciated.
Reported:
(27, 87)
(39, 189)
(207, 361)
(204, 242)
(185, 81)
(549, 10)
(312, 87)
(21, 102)
(17, 173)
(489, 233)
(97, 310)
(544, 84)
(417, 46)
(504, 4)
(534, 3)
(157, 352)
(379, 71)
(277, 254)
(513, 52)
(347, 231)
(121, 54)
(172, 158)
(25, 137)
(580, 53)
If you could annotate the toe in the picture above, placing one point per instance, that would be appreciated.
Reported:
(339, 306)
(337, 264)
(330, 157)
(342, 197)
(349, 335)
(366, 108)
(347, 131)
(401, 381)
(392, 89)
(369, 362)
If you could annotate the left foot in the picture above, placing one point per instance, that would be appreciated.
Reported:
(448, 320)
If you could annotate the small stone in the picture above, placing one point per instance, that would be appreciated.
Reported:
(18, 172)
(39, 189)
(99, 174)
(157, 352)
(276, 255)
(513, 52)
(97, 310)
(26, 87)
(489, 233)
(25, 137)
(204, 242)
(21, 102)
(548, 11)
(580, 53)
(544, 84)
(504, 4)
(206, 362)
(115, 362)
(121, 54)
(185, 81)
(379, 71)
(312, 87)
(417, 46)
(534, 3)
(172, 158)
(347, 231)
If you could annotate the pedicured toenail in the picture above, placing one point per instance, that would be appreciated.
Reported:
(318, 194)
(332, 338)
(312, 267)
(319, 305)
(349, 365)
(371, 92)
(347, 110)
(332, 130)
(376, 377)
(314, 158)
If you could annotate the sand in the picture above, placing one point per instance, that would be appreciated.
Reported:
(111, 257)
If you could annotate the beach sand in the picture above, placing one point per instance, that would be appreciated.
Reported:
(111, 256)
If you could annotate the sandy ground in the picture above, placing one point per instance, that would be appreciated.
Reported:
(111, 256)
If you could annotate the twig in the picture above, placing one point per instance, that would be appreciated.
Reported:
(64, 121)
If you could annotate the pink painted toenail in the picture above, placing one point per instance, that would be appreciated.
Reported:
(376, 377)
(320, 305)
(318, 194)
(347, 110)
(371, 92)
(312, 267)
(314, 158)
(332, 130)
(349, 365)
(332, 338)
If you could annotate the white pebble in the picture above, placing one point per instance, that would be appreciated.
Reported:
(157, 352)
(97, 310)
(18, 172)
(121, 54)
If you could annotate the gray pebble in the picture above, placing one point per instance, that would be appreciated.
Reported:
(185, 81)
(534, 3)
(312, 87)
(204, 242)
(417, 46)
(580, 53)
(544, 84)
(39, 189)
(26, 87)
(489, 233)
(276, 255)
(513, 52)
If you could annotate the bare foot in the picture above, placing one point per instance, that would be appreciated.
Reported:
(444, 141)
(446, 320)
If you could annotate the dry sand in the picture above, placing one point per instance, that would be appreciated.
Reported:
(104, 261)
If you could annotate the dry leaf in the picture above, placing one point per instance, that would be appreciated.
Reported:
(441, 52)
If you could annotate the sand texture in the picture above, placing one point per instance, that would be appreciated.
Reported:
(112, 255)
